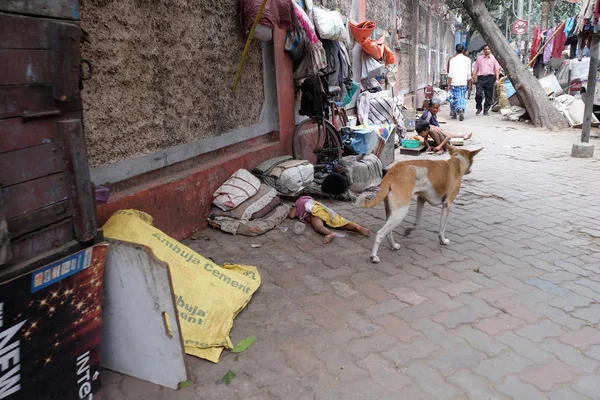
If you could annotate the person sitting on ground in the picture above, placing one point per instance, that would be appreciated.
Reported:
(431, 117)
(307, 210)
(441, 141)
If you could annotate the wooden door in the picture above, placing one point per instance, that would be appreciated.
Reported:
(44, 175)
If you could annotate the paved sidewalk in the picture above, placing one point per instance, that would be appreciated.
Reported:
(510, 309)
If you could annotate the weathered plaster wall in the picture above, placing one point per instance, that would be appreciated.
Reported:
(379, 11)
(344, 6)
(163, 71)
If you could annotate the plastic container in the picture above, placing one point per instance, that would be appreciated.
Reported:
(299, 227)
(409, 119)
(410, 144)
(102, 194)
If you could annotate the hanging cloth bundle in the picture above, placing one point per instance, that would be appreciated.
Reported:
(375, 48)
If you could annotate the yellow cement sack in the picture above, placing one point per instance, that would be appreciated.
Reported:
(208, 296)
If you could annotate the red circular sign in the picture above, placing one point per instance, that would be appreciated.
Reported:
(519, 27)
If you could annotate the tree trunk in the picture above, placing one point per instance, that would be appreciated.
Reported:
(530, 92)
(545, 14)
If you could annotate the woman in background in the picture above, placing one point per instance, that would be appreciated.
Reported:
(431, 117)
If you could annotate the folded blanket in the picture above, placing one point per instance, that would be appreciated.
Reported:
(254, 227)
(244, 212)
(266, 167)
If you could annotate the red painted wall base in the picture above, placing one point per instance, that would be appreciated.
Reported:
(181, 201)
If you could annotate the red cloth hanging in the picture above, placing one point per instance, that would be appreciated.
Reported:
(558, 45)
(535, 41)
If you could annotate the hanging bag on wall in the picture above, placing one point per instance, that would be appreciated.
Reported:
(371, 68)
(319, 57)
(295, 42)
(329, 24)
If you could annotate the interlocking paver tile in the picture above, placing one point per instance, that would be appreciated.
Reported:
(456, 289)
(569, 355)
(588, 385)
(437, 334)
(397, 327)
(402, 353)
(474, 386)
(583, 338)
(375, 343)
(570, 302)
(340, 364)
(432, 382)
(454, 318)
(493, 326)
(591, 313)
(449, 361)
(516, 310)
(548, 375)
(524, 347)
(384, 373)
(498, 367)
(374, 291)
(519, 390)
(480, 341)
(566, 393)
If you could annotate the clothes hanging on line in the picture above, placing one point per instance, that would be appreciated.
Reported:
(559, 44)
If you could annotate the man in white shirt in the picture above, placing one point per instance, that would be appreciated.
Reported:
(459, 78)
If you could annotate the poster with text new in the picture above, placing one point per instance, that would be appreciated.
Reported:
(50, 328)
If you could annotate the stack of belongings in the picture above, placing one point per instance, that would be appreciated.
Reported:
(319, 41)
(286, 175)
(363, 174)
(244, 206)
(379, 108)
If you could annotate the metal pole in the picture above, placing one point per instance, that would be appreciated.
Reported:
(528, 38)
(591, 90)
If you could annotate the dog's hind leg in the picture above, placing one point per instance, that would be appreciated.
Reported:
(443, 222)
(420, 205)
(395, 218)
(390, 237)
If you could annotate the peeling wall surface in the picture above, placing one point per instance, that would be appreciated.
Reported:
(344, 6)
(379, 11)
(163, 72)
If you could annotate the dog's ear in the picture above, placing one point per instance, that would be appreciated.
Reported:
(475, 152)
(452, 150)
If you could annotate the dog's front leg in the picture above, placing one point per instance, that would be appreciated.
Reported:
(443, 221)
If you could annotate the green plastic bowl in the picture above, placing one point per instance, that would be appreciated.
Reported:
(410, 144)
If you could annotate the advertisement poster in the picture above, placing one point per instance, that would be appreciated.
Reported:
(50, 328)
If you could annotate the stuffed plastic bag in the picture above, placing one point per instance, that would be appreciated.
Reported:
(371, 68)
(305, 23)
(295, 42)
(329, 24)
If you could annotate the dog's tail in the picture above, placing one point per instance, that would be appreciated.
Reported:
(384, 189)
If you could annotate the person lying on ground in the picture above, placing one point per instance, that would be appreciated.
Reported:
(321, 217)
(431, 117)
(439, 139)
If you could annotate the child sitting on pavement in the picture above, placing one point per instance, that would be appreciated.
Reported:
(440, 139)
(320, 217)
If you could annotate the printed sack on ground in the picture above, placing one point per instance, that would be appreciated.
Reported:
(208, 296)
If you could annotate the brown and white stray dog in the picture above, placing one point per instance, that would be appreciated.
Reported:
(434, 181)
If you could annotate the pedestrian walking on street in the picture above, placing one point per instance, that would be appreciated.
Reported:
(487, 71)
(459, 78)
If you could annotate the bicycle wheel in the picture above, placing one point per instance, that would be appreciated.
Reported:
(316, 141)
